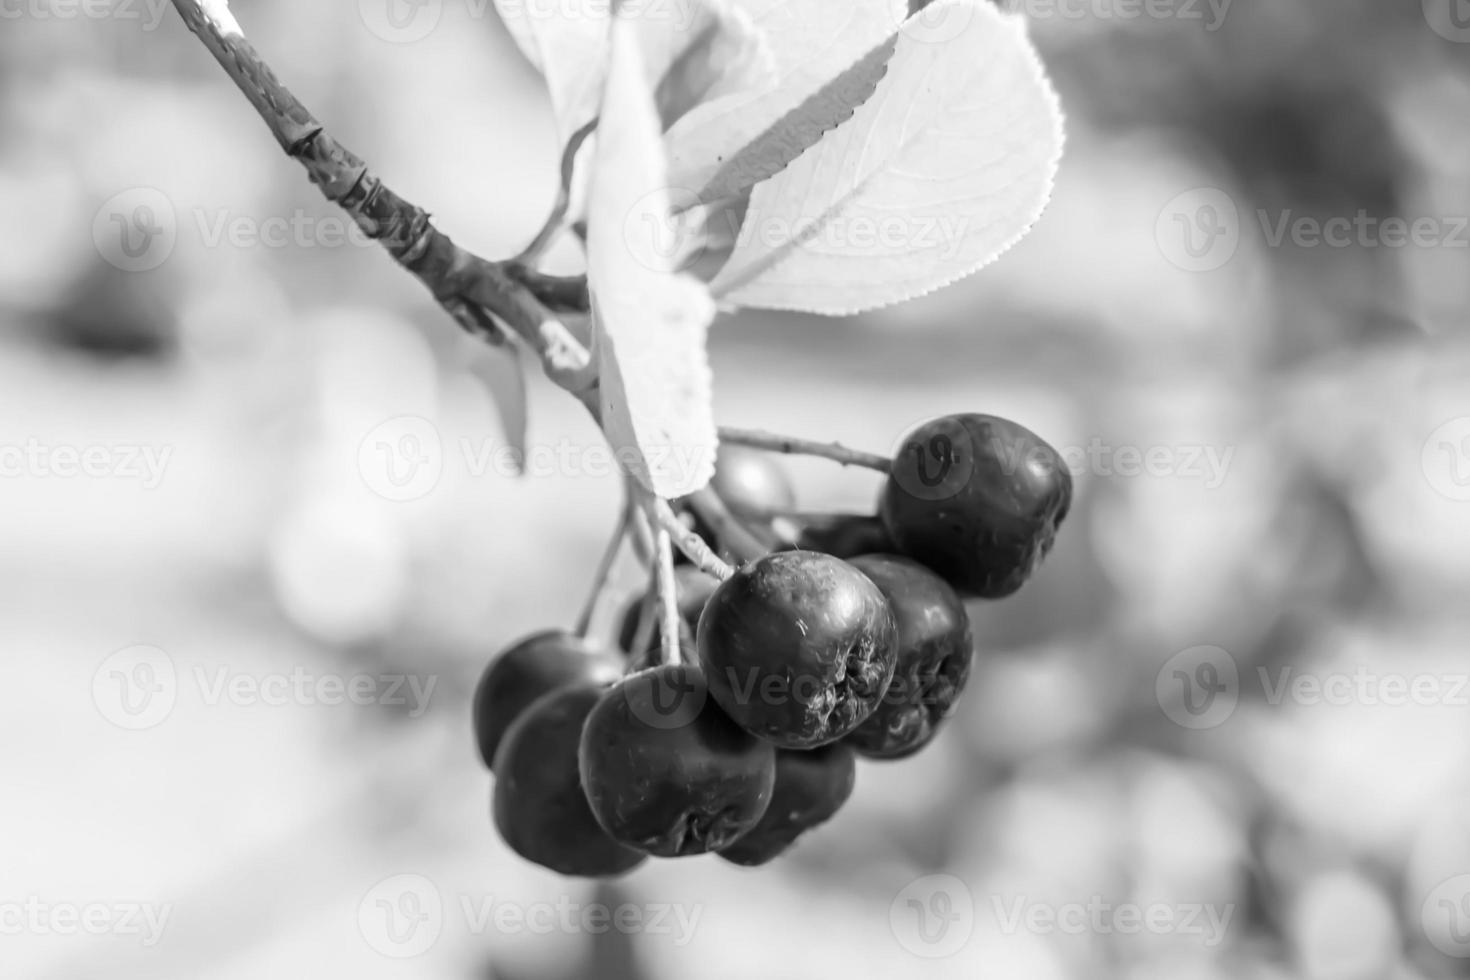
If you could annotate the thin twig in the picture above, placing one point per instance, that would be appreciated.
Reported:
(567, 294)
(470, 288)
(604, 568)
(791, 445)
(638, 656)
(668, 598)
(688, 542)
(732, 535)
(532, 253)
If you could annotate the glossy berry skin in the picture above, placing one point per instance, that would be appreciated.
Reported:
(798, 647)
(978, 499)
(847, 537)
(666, 771)
(751, 482)
(693, 588)
(935, 651)
(752, 485)
(538, 804)
(810, 788)
(535, 665)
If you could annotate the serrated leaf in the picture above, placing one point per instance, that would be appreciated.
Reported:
(811, 43)
(650, 323)
(567, 43)
(769, 153)
(693, 51)
(943, 169)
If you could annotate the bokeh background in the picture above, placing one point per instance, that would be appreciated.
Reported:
(1223, 734)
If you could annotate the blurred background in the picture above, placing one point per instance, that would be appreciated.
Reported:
(1223, 734)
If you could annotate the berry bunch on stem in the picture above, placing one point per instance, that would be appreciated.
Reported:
(745, 683)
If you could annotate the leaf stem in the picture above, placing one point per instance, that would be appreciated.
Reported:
(727, 528)
(604, 567)
(792, 445)
(668, 598)
(693, 546)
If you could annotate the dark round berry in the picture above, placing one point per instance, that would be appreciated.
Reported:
(753, 485)
(751, 482)
(978, 499)
(693, 588)
(846, 536)
(934, 655)
(666, 771)
(810, 788)
(798, 647)
(539, 806)
(535, 665)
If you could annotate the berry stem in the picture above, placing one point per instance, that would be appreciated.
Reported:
(662, 516)
(791, 445)
(668, 598)
(728, 530)
(604, 567)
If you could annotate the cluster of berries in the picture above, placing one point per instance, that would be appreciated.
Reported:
(850, 641)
